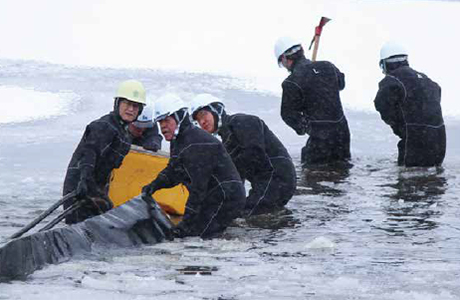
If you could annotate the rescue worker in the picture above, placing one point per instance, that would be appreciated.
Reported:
(410, 102)
(102, 148)
(200, 162)
(311, 104)
(257, 153)
(145, 132)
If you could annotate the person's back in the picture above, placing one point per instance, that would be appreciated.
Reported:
(410, 102)
(422, 99)
(261, 158)
(311, 104)
(320, 83)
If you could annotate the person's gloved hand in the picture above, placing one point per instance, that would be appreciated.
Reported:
(154, 148)
(102, 204)
(149, 189)
(302, 130)
(179, 231)
(82, 189)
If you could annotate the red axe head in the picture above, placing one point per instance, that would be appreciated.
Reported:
(323, 21)
(319, 29)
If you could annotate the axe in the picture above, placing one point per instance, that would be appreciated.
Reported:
(317, 35)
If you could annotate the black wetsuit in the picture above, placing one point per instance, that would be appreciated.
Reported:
(410, 103)
(102, 148)
(261, 158)
(150, 139)
(200, 162)
(311, 104)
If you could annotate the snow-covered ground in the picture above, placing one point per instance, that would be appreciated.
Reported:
(374, 232)
(21, 105)
(237, 37)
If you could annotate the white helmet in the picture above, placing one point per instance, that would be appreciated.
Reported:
(283, 44)
(167, 105)
(390, 49)
(145, 118)
(202, 100)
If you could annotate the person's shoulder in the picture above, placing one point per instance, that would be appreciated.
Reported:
(242, 117)
(392, 79)
(106, 122)
(196, 135)
(323, 64)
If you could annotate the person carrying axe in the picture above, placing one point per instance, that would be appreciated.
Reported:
(311, 104)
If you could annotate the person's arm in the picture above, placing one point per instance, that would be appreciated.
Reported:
(340, 78)
(97, 137)
(151, 139)
(391, 92)
(169, 177)
(292, 107)
(199, 163)
(249, 131)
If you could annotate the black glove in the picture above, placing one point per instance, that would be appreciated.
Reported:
(302, 130)
(82, 189)
(149, 189)
(179, 231)
(154, 148)
(83, 184)
(101, 204)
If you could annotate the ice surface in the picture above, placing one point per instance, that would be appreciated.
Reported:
(19, 104)
(395, 231)
(237, 37)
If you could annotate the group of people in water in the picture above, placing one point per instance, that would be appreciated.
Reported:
(214, 170)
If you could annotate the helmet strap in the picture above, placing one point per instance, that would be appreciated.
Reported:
(219, 111)
(179, 120)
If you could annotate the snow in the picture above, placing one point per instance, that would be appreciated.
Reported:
(358, 238)
(237, 37)
(19, 104)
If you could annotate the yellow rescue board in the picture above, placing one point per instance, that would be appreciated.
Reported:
(139, 168)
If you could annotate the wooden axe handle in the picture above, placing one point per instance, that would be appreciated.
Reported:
(317, 36)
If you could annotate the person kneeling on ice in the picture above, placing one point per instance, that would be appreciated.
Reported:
(102, 148)
(410, 103)
(200, 162)
(145, 132)
(257, 153)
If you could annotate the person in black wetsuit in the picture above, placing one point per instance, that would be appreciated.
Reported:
(410, 103)
(257, 153)
(145, 132)
(200, 162)
(311, 104)
(102, 148)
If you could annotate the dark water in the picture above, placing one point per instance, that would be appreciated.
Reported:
(370, 231)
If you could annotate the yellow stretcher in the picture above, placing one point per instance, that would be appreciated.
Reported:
(139, 168)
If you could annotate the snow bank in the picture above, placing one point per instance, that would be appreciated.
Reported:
(19, 105)
(237, 37)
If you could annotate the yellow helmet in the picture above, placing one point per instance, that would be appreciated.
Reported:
(132, 90)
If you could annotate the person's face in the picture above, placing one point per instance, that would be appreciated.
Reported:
(128, 110)
(136, 131)
(168, 126)
(206, 120)
(287, 63)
